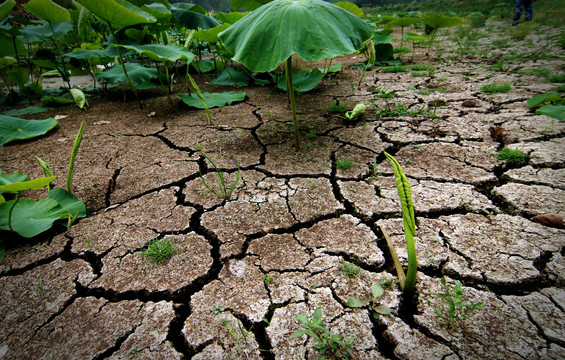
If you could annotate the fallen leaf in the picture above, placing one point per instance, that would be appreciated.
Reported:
(552, 220)
(495, 133)
(152, 114)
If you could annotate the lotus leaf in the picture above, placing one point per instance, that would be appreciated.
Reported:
(193, 16)
(27, 110)
(41, 31)
(303, 81)
(139, 74)
(229, 18)
(13, 128)
(248, 5)
(212, 99)
(162, 53)
(30, 218)
(313, 29)
(554, 111)
(117, 13)
(6, 7)
(79, 97)
(6, 179)
(240, 77)
(543, 98)
(68, 202)
(48, 11)
(351, 7)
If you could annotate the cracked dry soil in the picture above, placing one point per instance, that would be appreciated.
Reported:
(275, 248)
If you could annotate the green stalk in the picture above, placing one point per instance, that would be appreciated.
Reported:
(290, 92)
(10, 213)
(408, 218)
(76, 145)
(200, 96)
(132, 87)
(56, 44)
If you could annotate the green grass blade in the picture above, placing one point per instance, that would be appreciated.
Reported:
(74, 152)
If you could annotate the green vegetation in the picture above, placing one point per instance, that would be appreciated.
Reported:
(495, 87)
(326, 344)
(224, 190)
(377, 290)
(453, 308)
(158, 250)
(395, 69)
(337, 108)
(512, 156)
(344, 164)
(350, 270)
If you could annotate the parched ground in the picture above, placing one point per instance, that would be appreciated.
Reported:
(277, 246)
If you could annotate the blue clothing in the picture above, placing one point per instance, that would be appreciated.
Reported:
(522, 5)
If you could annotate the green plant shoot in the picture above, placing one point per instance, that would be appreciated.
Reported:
(403, 186)
(76, 145)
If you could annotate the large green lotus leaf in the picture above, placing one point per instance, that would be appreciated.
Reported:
(241, 78)
(41, 32)
(118, 13)
(436, 20)
(380, 38)
(313, 29)
(6, 61)
(159, 11)
(193, 16)
(404, 21)
(6, 7)
(248, 5)
(212, 99)
(6, 179)
(351, 7)
(554, 111)
(97, 55)
(137, 73)
(30, 218)
(229, 18)
(302, 81)
(70, 203)
(163, 53)
(47, 10)
(13, 128)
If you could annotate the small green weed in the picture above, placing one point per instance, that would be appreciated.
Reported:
(496, 88)
(420, 67)
(240, 335)
(520, 32)
(454, 309)
(558, 78)
(344, 164)
(350, 270)
(224, 191)
(132, 353)
(217, 309)
(267, 278)
(398, 110)
(332, 345)
(377, 290)
(424, 91)
(158, 250)
(395, 69)
(512, 156)
(383, 93)
(336, 107)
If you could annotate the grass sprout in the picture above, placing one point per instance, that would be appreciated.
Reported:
(158, 250)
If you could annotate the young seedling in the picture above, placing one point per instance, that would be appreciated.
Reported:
(224, 191)
(454, 309)
(344, 164)
(408, 281)
(158, 250)
(377, 291)
(240, 335)
(512, 156)
(350, 270)
(327, 344)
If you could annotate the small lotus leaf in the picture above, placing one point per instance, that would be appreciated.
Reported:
(27, 185)
(554, 111)
(163, 53)
(69, 203)
(30, 218)
(212, 99)
(80, 98)
(138, 74)
(27, 110)
(543, 98)
(225, 78)
(13, 128)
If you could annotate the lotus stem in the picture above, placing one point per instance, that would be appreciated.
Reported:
(290, 92)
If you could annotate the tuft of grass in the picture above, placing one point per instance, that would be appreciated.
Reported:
(520, 32)
(424, 91)
(344, 164)
(558, 78)
(454, 309)
(495, 87)
(158, 250)
(560, 88)
(512, 156)
(395, 69)
(336, 108)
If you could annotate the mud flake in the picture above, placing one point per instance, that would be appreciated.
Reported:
(28, 254)
(532, 199)
(312, 198)
(527, 174)
(279, 252)
(361, 136)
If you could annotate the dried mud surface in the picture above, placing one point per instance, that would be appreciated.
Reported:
(275, 248)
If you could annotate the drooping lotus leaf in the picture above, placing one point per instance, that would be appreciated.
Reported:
(26, 111)
(13, 128)
(37, 183)
(117, 13)
(162, 53)
(7, 46)
(40, 31)
(554, 111)
(137, 73)
(97, 55)
(30, 218)
(313, 29)
(6, 179)
(47, 10)
(303, 80)
(210, 35)
(436, 20)
(193, 16)
(212, 99)
(79, 97)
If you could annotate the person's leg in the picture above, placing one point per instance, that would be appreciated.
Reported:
(518, 12)
(529, 7)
